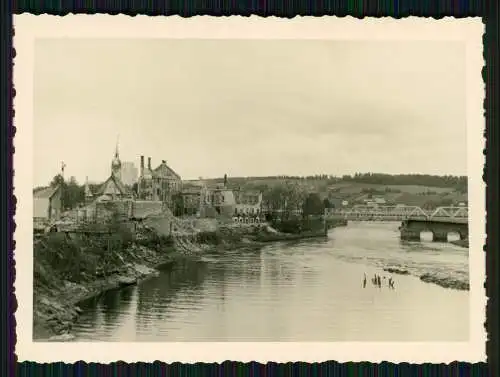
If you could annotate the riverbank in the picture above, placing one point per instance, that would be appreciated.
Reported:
(265, 238)
(70, 270)
(57, 296)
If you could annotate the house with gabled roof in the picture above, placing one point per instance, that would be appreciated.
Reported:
(113, 189)
(47, 203)
(158, 184)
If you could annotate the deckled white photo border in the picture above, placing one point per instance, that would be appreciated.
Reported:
(29, 27)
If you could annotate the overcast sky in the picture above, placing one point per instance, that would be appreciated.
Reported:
(249, 107)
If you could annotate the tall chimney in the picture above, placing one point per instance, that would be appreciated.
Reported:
(142, 166)
(149, 163)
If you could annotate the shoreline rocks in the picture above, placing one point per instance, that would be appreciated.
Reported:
(438, 278)
(445, 282)
(396, 270)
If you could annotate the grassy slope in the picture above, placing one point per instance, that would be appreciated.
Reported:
(356, 192)
(351, 190)
(70, 269)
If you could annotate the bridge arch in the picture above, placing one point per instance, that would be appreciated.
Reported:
(454, 235)
(426, 235)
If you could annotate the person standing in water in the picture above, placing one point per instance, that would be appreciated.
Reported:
(364, 281)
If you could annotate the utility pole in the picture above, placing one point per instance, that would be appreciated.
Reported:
(63, 165)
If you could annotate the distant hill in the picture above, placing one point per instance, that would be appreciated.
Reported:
(410, 189)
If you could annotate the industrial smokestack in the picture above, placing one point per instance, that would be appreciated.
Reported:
(142, 166)
(149, 163)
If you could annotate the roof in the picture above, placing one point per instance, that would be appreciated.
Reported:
(164, 170)
(119, 184)
(46, 192)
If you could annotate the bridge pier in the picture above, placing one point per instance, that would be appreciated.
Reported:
(410, 229)
(439, 236)
(409, 234)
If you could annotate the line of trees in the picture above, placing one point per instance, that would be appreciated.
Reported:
(444, 181)
(457, 182)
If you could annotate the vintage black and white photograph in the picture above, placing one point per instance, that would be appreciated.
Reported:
(251, 190)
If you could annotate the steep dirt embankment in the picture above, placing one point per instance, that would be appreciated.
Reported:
(70, 269)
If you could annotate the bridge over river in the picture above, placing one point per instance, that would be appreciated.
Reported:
(440, 222)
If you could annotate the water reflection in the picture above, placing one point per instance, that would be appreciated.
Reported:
(300, 291)
(158, 297)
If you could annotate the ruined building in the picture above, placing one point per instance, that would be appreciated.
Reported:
(157, 184)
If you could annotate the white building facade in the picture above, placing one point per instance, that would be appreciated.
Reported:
(129, 173)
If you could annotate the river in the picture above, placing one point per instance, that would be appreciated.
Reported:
(302, 291)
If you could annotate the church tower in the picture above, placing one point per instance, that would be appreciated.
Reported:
(116, 165)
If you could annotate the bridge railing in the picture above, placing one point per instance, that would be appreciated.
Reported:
(450, 213)
(399, 213)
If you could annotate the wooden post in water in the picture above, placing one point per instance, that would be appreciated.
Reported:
(324, 221)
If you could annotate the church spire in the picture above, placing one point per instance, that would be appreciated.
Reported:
(117, 154)
(116, 164)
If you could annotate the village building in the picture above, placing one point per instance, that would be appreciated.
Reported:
(336, 203)
(113, 188)
(222, 199)
(219, 201)
(47, 203)
(248, 203)
(158, 184)
(191, 200)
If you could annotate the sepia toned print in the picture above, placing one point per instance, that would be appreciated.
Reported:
(272, 190)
